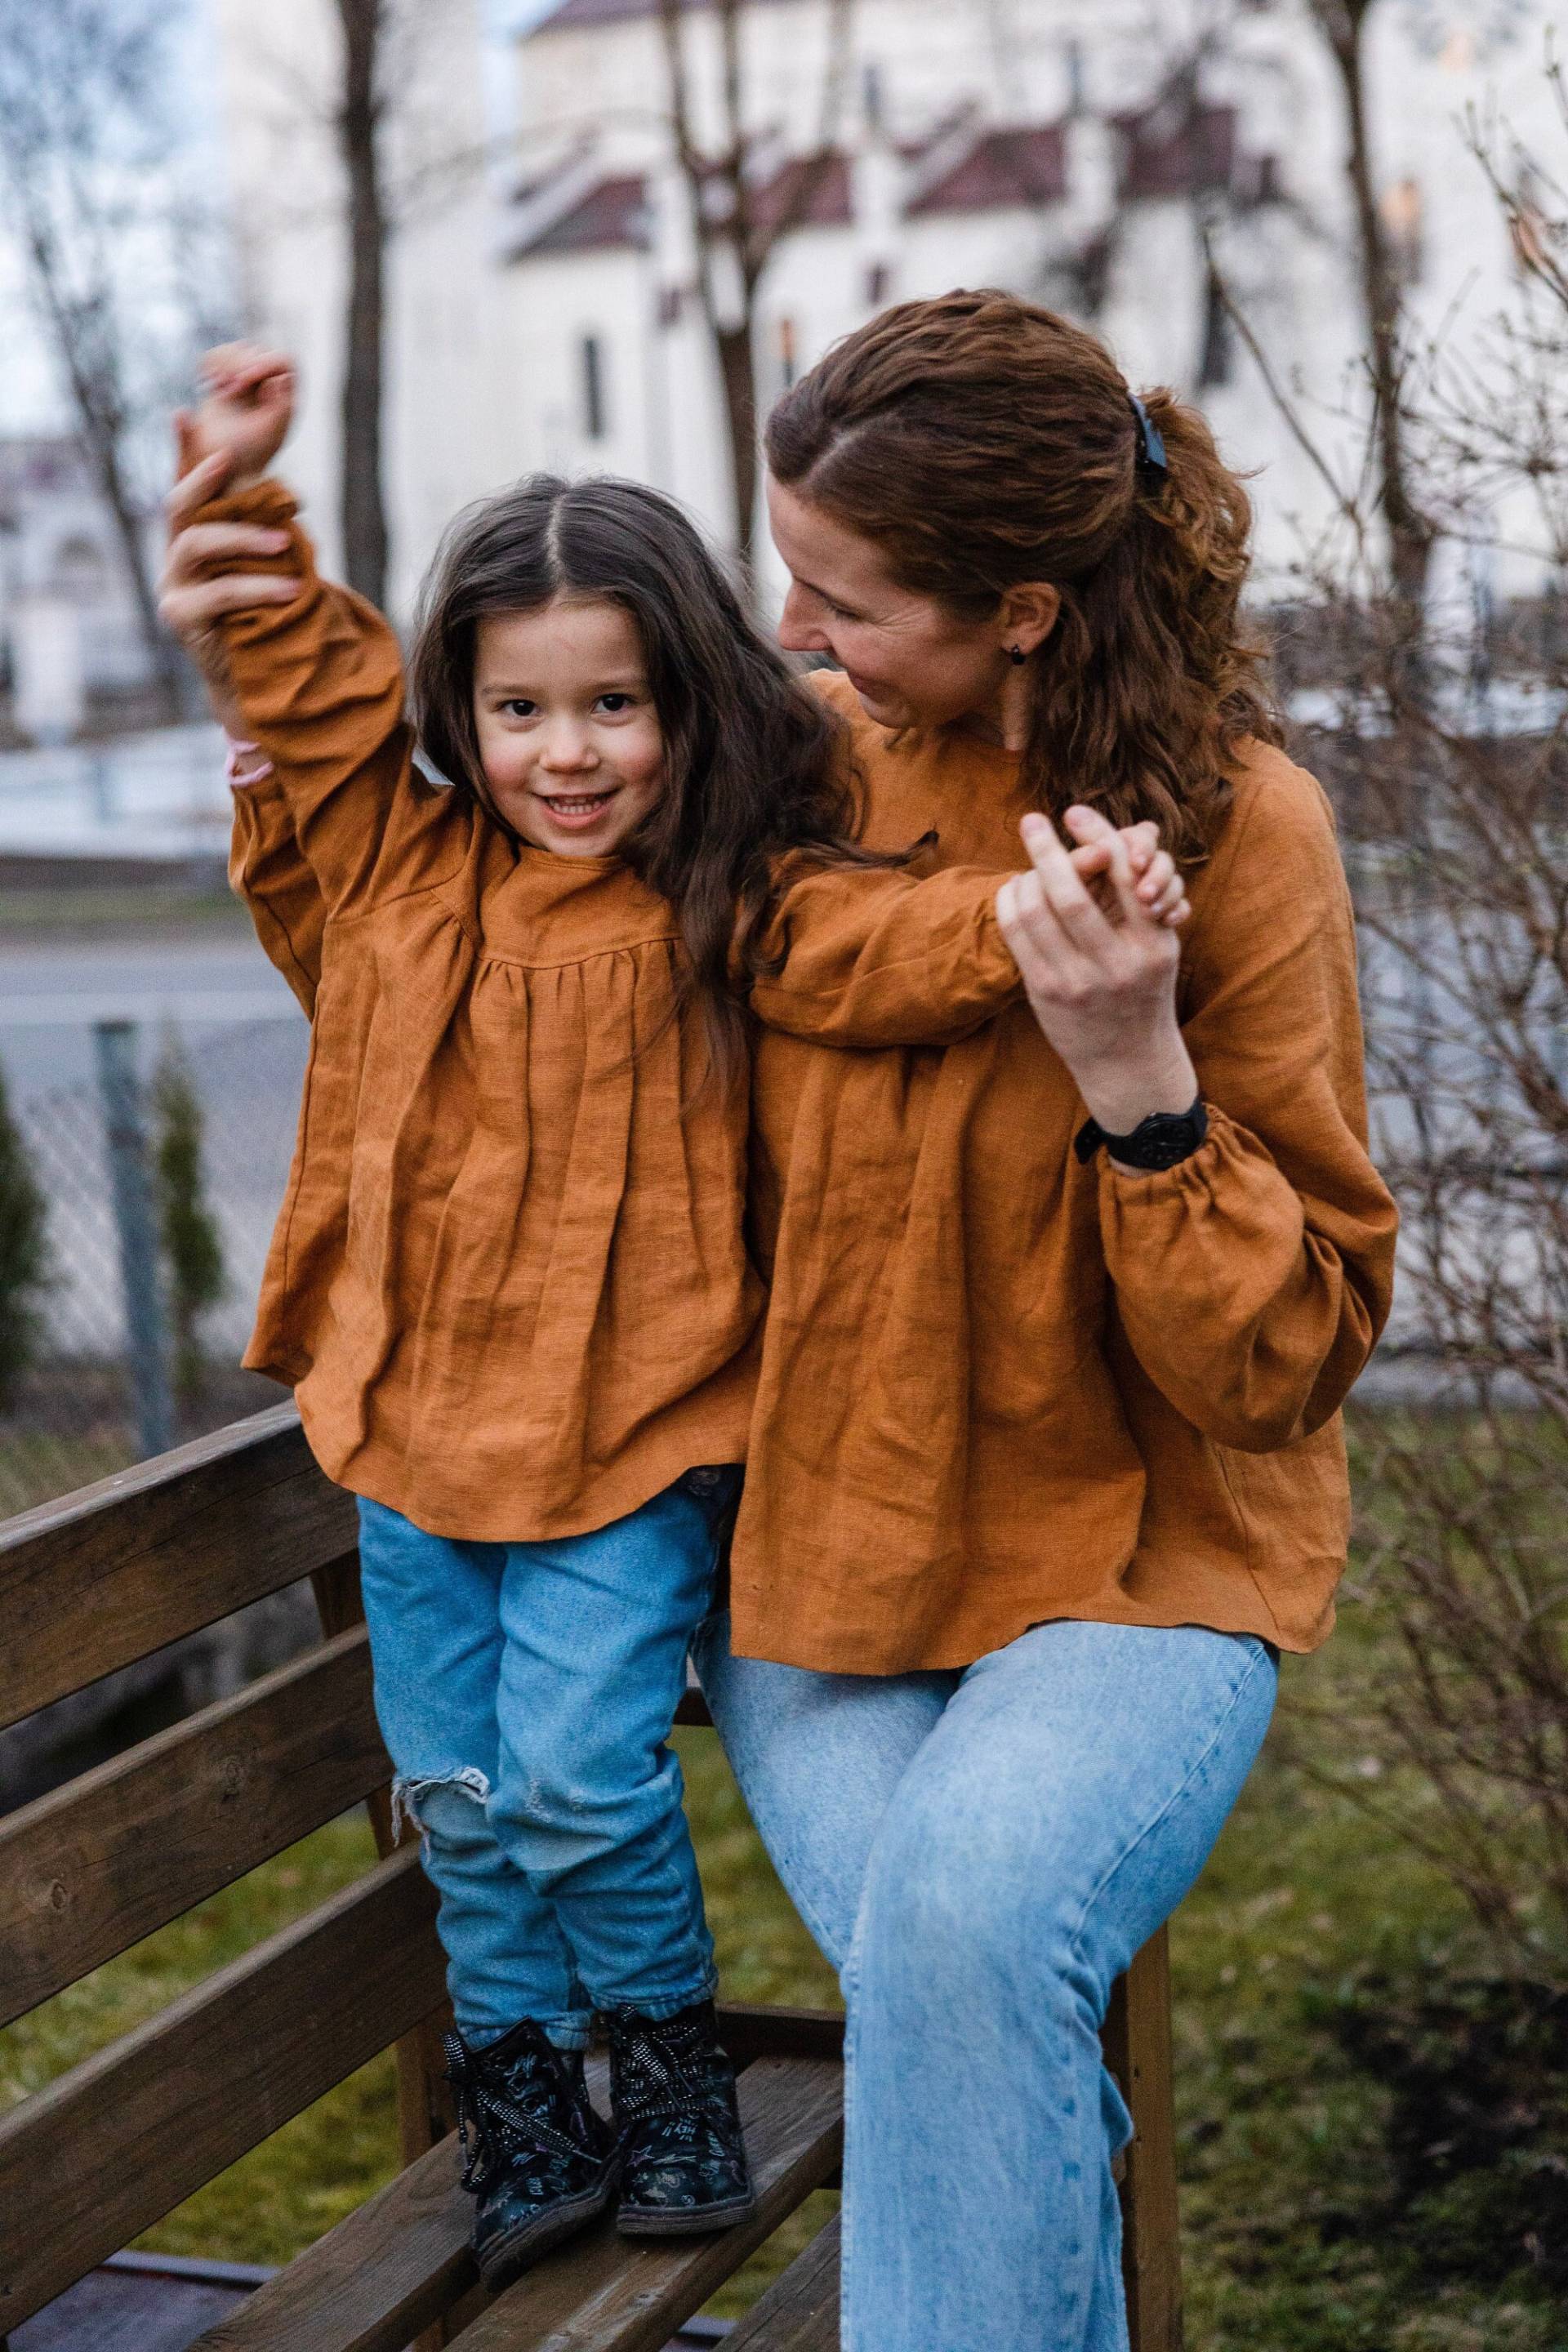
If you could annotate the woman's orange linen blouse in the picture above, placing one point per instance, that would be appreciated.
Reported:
(998, 1386)
(509, 1282)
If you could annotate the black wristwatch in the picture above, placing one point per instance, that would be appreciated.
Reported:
(1158, 1141)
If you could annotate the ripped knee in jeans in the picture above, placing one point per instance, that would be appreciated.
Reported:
(411, 1790)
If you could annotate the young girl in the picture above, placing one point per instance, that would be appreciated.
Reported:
(510, 1281)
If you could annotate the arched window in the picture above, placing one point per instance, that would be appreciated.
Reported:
(78, 571)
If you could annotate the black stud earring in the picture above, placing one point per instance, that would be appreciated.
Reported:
(1017, 655)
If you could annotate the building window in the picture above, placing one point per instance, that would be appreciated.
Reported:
(786, 353)
(878, 282)
(595, 421)
(1402, 220)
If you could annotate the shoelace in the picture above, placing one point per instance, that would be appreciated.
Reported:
(663, 2056)
(492, 2115)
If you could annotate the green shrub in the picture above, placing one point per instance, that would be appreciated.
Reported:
(24, 1254)
(187, 1230)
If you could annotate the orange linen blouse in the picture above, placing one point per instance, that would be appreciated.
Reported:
(510, 1280)
(999, 1387)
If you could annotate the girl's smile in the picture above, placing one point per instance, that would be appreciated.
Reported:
(569, 738)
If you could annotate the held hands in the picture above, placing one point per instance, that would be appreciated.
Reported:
(1093, 933)
(226, 443)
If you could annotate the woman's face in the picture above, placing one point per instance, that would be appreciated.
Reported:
(911, 662)
(569, 737)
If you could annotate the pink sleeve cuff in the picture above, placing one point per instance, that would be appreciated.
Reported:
(238, 752)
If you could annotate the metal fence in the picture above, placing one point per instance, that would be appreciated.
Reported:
(105, 1381)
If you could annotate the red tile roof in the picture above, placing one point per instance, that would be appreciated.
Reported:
(808, 193)
(614, 212)
(1175, 148)
(1025, 164)
(603, 11)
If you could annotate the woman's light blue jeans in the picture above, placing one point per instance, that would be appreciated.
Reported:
(980, 1854)
(525, 1692)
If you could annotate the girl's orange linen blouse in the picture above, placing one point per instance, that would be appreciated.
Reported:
(509, 1282)
(999, 1387)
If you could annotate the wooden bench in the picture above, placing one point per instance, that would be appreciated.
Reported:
(107, 1576)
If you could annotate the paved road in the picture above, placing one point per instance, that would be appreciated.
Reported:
(51, 993)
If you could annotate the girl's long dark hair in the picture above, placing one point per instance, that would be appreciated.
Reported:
(756, 765)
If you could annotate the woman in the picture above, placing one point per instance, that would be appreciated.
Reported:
(1047, 1463)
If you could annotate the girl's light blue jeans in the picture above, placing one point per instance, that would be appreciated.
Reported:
(979, 1855)
(525, 1692)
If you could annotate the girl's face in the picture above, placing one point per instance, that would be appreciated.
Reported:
(569, 738)
(912, 661)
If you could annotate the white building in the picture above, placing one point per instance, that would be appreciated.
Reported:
(544, 313)
(68, 621)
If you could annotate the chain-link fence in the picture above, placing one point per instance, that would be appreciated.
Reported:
(135, 1213)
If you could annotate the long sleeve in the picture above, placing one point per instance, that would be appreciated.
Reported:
(871, 958)
(267, 869)
(320, 682)
(1253, 1278)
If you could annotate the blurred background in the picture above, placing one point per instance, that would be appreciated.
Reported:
(603, 236)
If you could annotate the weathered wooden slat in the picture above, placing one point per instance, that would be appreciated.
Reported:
(375, 2281)
(1137, 2042)
(96, 1864)
(118, 1570)
(424, 2110)
(693, 1707)
(751, 2030)
(602, 2293)
(799, 2312)
(115, 2143)
(403, 2258)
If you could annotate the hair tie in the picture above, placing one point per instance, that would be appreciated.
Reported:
(1149, 457)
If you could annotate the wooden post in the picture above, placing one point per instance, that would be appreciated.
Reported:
(1137, 2042)
(424, 2110)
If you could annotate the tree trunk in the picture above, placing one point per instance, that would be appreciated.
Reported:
(101, 420)
(737, 371)
(167, 666)
(364, 512)
(1409, 534)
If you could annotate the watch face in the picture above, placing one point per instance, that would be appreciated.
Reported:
(1164, 1151)
(1163, 1139)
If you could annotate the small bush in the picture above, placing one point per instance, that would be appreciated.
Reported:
(24, 1254)
(188, 1231)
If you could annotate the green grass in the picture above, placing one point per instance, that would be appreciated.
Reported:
(1298, 2237)
(123, 908)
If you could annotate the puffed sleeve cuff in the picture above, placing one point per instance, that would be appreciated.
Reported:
(1238, 1304)
(864, 957)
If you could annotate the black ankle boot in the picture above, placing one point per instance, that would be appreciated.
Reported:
(539, 2159)
(673, 2093)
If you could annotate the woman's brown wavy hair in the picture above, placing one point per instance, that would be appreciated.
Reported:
(756, 766)
(981, 442)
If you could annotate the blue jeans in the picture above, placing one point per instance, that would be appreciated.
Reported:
(525, 1692)
(980, 1854)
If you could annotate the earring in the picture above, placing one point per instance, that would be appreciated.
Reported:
(1017, 655)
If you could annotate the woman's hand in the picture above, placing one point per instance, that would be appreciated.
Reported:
(1102, 985)
(243, 414)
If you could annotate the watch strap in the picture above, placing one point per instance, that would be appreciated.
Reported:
(1161, 1141)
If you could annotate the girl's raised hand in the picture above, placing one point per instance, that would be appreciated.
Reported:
(243, 414)
(1156, 877)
